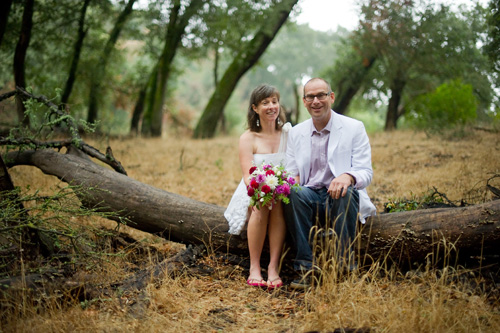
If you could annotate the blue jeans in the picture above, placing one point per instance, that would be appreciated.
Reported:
(309, 207)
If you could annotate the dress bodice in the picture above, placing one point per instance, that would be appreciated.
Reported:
(274, 159)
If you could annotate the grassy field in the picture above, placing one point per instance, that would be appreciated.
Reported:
(406, 165)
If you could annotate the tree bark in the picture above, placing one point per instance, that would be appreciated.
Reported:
(99, 72)
(138, 110)
(20, 58)
(391, 119)
(403, 238)
(350, 85)
(76, 55)
(4, 15)
(243, 61)
(177, 24)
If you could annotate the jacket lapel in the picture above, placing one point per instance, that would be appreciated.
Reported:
(305, 152)
(333, 143)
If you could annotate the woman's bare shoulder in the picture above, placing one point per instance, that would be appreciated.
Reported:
(248, 136)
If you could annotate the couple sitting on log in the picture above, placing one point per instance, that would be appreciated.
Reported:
(309, 177)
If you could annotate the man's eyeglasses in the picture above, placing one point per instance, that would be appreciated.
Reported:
(320, 97)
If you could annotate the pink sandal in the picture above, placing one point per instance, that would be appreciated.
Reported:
(257, 283)
(272, 285)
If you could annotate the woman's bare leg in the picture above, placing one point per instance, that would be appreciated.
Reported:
(276, 235)
(256, 233)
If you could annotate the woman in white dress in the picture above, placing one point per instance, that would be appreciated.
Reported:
(263, 141)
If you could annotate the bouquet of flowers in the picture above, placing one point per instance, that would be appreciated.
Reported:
(268, 185)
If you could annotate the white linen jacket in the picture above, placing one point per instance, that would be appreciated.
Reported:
(349, 152)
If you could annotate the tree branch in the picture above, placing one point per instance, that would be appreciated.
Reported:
(75, 141)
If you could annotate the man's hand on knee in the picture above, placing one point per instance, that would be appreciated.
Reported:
(338, 186)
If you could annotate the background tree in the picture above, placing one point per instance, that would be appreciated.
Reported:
(451, 104)
(20, 57)
(178, 21)
(348, 74)
(493, 45)
(67, 39)
(418, 46)
(4, 16)
(297, 53)
(249, 54)
(99, 72)
(76, 55)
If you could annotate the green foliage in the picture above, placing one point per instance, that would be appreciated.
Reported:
(57, 217)
(285, 64)
(493, 44)
(417, 46)
(421, 43)
(451, 105)
(431, 199)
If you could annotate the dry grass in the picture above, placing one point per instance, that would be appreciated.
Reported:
(405, 164)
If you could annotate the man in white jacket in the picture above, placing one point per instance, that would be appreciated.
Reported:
(330, 156)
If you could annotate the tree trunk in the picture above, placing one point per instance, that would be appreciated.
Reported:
(391, 119)
(243, 61)
(100, 71)
(349, 86)
(76, 55)
(176, 28)
(138, 110)
(20, 58)
(406, 237)
(4, 16)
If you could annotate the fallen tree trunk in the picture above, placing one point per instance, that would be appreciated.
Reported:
(400, 237)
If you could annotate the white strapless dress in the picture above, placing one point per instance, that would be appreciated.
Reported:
(237, 212)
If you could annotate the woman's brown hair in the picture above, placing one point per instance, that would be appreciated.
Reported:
(260, 93)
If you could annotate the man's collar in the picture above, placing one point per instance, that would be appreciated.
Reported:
(328, 126)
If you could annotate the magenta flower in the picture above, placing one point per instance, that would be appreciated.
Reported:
(279, 189)
(286, 190)
(260, 178)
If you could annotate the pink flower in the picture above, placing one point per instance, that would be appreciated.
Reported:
(254, 183)
(266, 189)
(279, 189)
(261, 178)
(252, 169)
(286, 190)
(269, 172)
(291, 180)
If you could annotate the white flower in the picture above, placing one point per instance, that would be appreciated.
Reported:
(261, 199)
(272, 181)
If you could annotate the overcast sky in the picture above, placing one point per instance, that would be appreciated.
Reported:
(325, 15)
